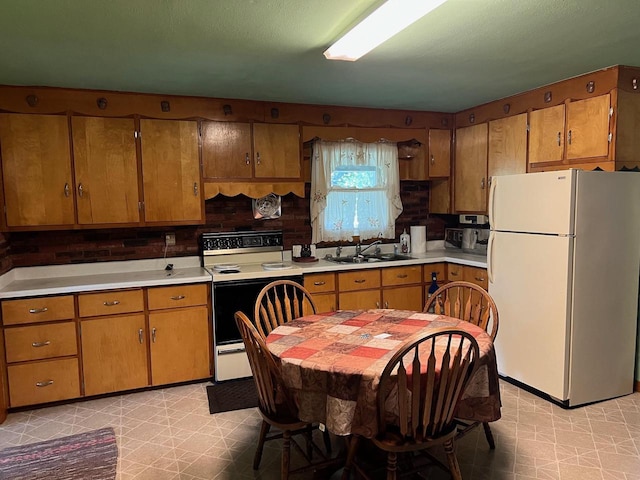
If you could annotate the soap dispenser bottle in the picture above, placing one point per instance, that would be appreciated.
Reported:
(405, 241)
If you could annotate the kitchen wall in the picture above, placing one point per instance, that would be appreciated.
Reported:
(22, 249)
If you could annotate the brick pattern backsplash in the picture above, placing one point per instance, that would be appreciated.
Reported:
(22, 249)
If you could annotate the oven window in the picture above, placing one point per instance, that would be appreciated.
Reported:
(228, 298)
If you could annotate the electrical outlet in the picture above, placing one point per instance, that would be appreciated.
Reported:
(169, 239)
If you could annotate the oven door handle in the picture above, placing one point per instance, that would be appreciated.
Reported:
(227, 352)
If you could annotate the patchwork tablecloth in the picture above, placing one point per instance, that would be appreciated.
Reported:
(333, 362)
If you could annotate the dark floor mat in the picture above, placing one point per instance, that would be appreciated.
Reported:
(232, 395)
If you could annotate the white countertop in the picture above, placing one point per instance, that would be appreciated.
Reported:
(61, 279)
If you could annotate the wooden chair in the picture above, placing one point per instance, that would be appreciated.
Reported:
(472, 303)
(412, 423)
(280, 302)
(276, 406)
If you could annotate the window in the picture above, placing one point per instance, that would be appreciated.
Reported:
(355, 190)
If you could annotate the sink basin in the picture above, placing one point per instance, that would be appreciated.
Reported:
(382, 257)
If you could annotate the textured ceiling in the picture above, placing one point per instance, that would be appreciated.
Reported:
(464, 53)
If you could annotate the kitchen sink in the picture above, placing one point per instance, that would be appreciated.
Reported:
(381, 257)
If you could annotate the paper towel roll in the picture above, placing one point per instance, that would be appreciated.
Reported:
(418, 239)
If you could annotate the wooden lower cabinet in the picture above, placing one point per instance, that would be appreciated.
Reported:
(322, 287)
(42, 382)
(179, 345)
(359, 300)
(114, 353)
(359, 289)
(404, 298)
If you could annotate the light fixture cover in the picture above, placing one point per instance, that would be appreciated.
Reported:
(389, 19)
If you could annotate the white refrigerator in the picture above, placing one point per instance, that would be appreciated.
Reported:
(563, 264)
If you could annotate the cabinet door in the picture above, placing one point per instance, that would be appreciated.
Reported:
(358, 300)
(36, 169)
(470, 193)
(114, 354)
(42, 382)
(276, 149)
(179, 345)
(104, 154)
(439, 196)
(226, 150)
(588, 127)
(171, 171)
(404, 298)
(546, 135)
(439, 153)
(507, 146)
(325, 302)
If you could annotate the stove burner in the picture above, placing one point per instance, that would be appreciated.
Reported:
(228, 271)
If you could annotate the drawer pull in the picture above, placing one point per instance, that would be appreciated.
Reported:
(38, 310)
(402, 275)
(318, 284)
(41, 344)
(480, 279)
(111, 304)
(454, 274)
(360, 280)
(140, 335)
(178, 297)
(46, 383)
(153, 334)
(377, 304)
(386, 304)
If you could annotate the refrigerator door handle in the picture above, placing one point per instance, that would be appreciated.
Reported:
(492, 193)
(490, 257)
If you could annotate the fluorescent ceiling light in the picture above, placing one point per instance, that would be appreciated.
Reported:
(389, 19)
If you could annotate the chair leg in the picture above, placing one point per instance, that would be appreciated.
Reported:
(286, 454)
(264, 430)
(489, 435)
(392, 465)
(449, 449)
(327, 441)
(351, 455)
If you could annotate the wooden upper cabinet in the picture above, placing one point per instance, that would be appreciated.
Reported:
(36, 169)
(104, 153)
(588, 127)
(276, 149)
(470, 186)
(439, 153)
(507, 146)
(226, 150)
(546, 135)
(171, 171)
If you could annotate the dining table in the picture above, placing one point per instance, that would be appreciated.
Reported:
(332, 363)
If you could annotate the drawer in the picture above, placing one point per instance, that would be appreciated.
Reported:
(477, 275)
(177, 296)
(33, 310)
(40, 341)
(110, 302)
(455, 272)
(42, 382)
(320, 282)
(358, 280)
(439, 268)
(401, 275)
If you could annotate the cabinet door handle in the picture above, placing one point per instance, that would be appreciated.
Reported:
(318, 284)
(140, 339)
(386, 304)
(454, 274)
(433, 160)
(195, 189)
(247, 160)
(38, 310)
(46, 383)
(360, 280)
(569, 137)
(67, 190)
(111, 304)
(153, 334)
(41, 344)
(402, 275)
(177, 297)
(80, 190)
(377, 304)
(482, 183)
(559, 138)
(480, 279)
(258, 158)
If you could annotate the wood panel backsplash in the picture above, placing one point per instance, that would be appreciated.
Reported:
(24, 249)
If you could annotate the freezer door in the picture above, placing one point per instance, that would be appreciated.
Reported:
(530, 281)
(533, 202)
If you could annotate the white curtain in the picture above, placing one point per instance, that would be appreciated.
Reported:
(333, 206)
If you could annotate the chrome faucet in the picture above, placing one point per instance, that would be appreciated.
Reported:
(338, 250)
(360, 250)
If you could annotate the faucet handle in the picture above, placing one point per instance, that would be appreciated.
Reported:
(338, 250)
